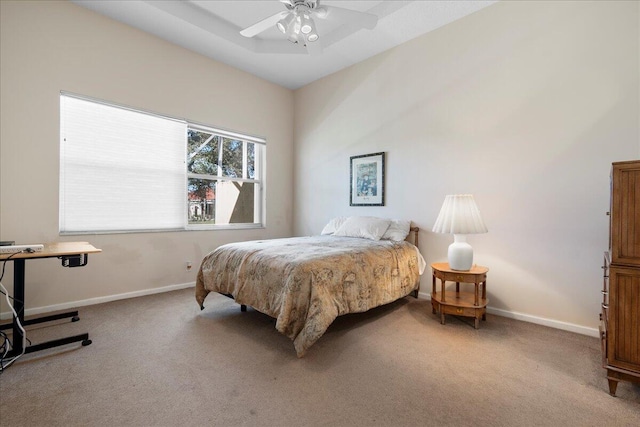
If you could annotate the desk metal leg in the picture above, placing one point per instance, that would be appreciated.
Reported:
(18, 303)
(50, 318)
(84, 338)
(18, 306)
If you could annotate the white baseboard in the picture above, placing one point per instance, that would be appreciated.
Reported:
(98, 300)
(582, 330)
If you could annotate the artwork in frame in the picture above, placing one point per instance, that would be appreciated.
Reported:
(367, 180)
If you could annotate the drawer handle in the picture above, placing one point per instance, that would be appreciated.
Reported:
(459, 277)
(459, 310)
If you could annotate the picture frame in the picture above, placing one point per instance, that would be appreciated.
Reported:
(366, 178)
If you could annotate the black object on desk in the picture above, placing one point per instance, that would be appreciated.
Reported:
(64, 251)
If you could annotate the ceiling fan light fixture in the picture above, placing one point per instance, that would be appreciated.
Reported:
(294, 28)
(307, 24)
(312, 35)
(298, 22)
(284, 24)
(298, 25)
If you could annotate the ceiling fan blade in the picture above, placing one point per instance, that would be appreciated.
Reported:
(263, 25)
(347, 16)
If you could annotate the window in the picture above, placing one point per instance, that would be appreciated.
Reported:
(128, 170)
(223, 173)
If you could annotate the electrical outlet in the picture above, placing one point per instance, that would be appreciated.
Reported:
(189, 265)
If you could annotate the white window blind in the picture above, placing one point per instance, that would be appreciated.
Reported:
(120, 169)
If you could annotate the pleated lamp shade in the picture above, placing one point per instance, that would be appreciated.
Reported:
(460, 215)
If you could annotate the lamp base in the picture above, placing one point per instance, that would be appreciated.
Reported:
(460, 253)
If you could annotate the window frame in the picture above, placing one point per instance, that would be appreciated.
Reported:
(260, 165)
(259, 177)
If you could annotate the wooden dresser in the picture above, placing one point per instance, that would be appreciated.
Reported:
(620, 317)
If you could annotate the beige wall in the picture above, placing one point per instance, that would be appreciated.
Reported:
(523, 104)
(50, 46)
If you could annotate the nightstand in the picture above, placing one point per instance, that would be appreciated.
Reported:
(459, 303)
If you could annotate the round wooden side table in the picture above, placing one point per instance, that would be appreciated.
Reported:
(459, 303)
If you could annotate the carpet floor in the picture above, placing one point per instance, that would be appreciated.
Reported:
(160, 361)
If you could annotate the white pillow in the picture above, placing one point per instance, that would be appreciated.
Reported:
(398, 230)
(367, 227)
(333, 225)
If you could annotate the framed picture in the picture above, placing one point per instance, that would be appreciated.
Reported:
(367, 180)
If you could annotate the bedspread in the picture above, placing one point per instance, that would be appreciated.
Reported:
(306, 282)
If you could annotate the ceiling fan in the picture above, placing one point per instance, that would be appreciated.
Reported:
(297, 21)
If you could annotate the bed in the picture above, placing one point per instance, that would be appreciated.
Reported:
(306, 282)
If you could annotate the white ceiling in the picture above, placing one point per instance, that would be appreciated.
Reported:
(211, 28)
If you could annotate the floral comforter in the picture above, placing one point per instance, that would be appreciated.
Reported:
(306, 282)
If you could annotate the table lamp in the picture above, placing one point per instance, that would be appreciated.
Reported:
(459, 216)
